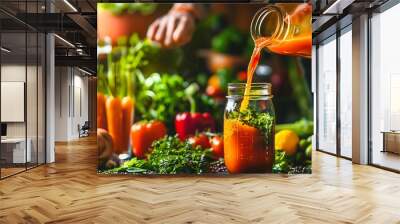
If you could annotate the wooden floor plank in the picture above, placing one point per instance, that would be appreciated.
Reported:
(70, 191)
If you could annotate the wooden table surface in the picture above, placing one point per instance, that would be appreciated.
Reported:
(70, 191)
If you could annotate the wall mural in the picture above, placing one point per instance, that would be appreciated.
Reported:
(204, 88)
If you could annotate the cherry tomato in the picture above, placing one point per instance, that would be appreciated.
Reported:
(217, 146)
(200, 140)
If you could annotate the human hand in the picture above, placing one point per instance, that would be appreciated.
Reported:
(173, 29)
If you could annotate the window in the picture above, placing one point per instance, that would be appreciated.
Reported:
(327, 95)
(345, 43)
(385, 88)
(22, 77)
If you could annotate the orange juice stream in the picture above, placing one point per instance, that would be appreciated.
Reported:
(255, 58)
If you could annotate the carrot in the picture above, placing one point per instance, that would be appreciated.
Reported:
(127, 119)
(114, 122)
(101, 111)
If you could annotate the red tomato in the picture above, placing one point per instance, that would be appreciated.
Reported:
(200, 140)
(143, 134)
(217, 146)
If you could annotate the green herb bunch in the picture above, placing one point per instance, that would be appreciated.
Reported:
(285, 163)
(170, 156)
(160, 97)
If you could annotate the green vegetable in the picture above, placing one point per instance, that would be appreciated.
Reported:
(134, 165)
(170, 156)
(161, 97)
(281, 164)
(308, 152)
(296, 164)
(260, 120)
(229, 41)
(303, 128)
(304, 143)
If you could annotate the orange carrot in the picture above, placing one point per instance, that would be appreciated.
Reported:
(127, 119)
(114, 121)
(101, 111)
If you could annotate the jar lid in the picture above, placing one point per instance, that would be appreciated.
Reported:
(256, 89)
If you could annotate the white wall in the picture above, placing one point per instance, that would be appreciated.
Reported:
(33, 127)
(71, 93)
(15, 73)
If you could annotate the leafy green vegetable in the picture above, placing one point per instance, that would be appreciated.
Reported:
(281, 164)
(260, 120)
(296, 164)
(119, 8)
(161, 97)
(135, 164)
(169, 156)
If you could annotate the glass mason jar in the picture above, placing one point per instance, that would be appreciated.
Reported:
(249, 132)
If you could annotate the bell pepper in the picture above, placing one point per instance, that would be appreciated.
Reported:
(187, 124)
(143, 134)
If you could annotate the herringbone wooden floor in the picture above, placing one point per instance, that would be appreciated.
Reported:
(70, 191)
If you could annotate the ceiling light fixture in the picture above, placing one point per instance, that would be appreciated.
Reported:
(64, 40)
(5, 50)
(70, 5)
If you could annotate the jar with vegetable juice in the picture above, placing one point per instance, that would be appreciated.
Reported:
(249, 132)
